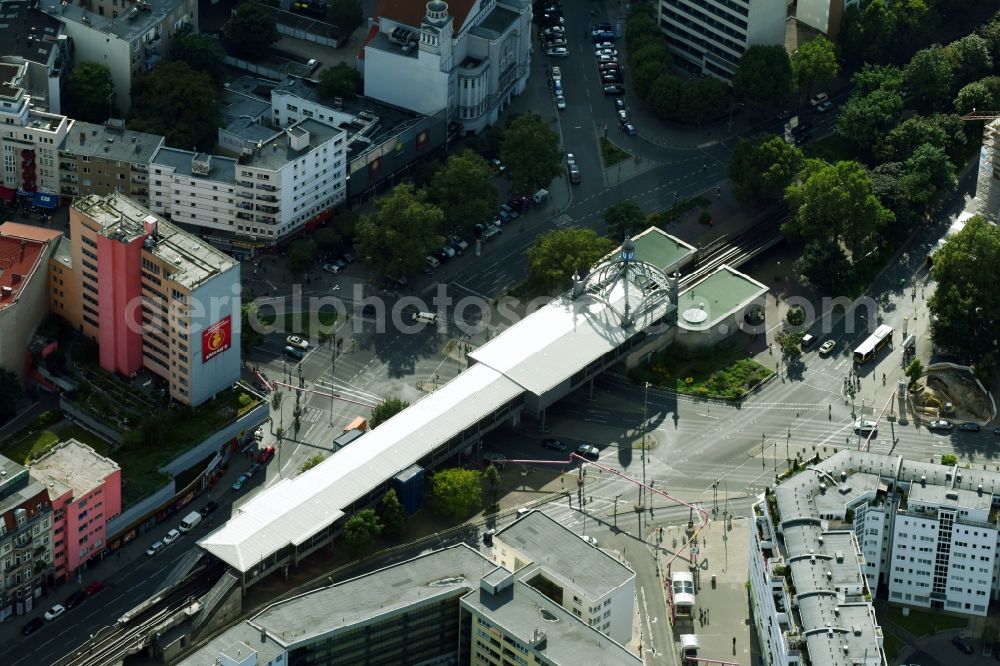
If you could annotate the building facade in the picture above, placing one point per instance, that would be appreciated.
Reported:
(33, 38)
(711, 36)
(826, 16)
(153, 297)
(25, 539)
(470, 57)
(24, 294)
(85, 489)
(127, 36)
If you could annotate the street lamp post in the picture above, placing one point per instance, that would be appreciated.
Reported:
(616, 509)
(642, 449)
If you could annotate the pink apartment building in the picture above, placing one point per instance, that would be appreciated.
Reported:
(86, 492)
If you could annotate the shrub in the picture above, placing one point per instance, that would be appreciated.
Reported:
(796, 316)
(949, 459)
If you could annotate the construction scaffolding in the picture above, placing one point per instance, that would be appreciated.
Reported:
(988, 178)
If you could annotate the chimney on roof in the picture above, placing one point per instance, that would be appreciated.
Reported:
(83, 138)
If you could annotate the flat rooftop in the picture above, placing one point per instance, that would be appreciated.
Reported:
(122, 27)
(120, 145)
(495, 23)
(77, 465)
(194, 261)
(656, 247)
(563, 554)
(21, 249)
(221, 169)
(9, 86)
(947, 497)
(19, 21)
(719, 295)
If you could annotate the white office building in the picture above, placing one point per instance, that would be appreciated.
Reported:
(826, 16)
(470, 57)
(272, 191)
(711, 36)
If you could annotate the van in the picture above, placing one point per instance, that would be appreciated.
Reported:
(426, 317)
(808, 340)
(540, 196)
(190, 522)
(294, 352)
(910, 344)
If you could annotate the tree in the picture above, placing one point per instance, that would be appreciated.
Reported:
(815, 63)
(360, 531)
(624, 218)
(530, 149)
(966, 304)
(913, 372)
(762, 168)
(385, 410)
(311, 462)
(465, 190)
(863, 121)
(943, 131)
(491, 477)
(836, 201)
(974, 58)
(340, 80)
(455, 492)
(764, 78)
(250, 337)
(201, 53)
(402, 231)
(871, 78)
(702, 99)
(327, 239)
(301, 255)
(557, 255)
(929, 174)
(250, 30)
(178, 102)
(346, 15)
(825, 265)
(928, 75)
(991, 33)
(982, 95)
(789, 344)
(390, 510)
(887, 183)
(868, 33)
(89, 90)
(10, 395)
(949, 459)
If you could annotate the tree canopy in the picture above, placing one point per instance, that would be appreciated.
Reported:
(557, 255)
(530, 149)
(975, 58)
(764, 78)
(946, 132)
(825, 265)
(390, 510)
(865, 119)
(456, 492)
(302, 255)
(340, 80)
(402, 231)
(928, 75)
(347, 15)
(836, 201)
(929, 174)
(815, 63)
(385, 410)
(871, 78)
(624, 218)
(250, 30)
(762, 168)
(465, 190)
(361, 530)
(89, 91)
(966, 303)
(178, 102)
(201, 53)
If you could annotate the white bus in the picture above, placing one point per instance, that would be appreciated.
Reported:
(867, 350)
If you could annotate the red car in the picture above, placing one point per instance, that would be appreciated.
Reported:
(266, 455)
(93, 588)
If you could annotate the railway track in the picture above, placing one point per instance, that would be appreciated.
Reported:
(738, 250)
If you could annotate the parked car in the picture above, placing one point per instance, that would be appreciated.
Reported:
(154, 548)
(962, 644)
(824, 106)
(588, 451)
(614, 90)
(253, 469)
(208, 508)
(605, 66)
(557, 52)
(498, 165)
(607, 52)
(32, 626)
(996, 431)
(611, 77)
(622, 115)
(630, 129)
(560, 102)
(554, 30)
(818, 99)
(75, 599)
(620, 104)
(349, 257)
(969, 427)
(458, 243)
(827, 347)
(491, 233)
(170, 537)
(553, 42)
(433, 262)
(296, 341)
(589, 539)
(94, 587)
(939, 424)
(240, 482)
(510, 211)
(265, 456)
(553, 444)
(331, 268)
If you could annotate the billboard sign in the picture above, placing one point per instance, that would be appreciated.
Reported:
(216, 339)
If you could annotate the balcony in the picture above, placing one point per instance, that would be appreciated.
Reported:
(266, 219)
(268, 209)
(68, 179)
(244, 195)
(140, 191)
(245, 206)
(140, 179)
(140, 167)
(267, 197)
(245, 183)
(267, 188)
(66, 166)
(245, 216)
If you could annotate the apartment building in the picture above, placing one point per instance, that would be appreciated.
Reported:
(32, 38)
(586, 581)
(825, 16)
(152, 296)
(85, 489)
(29, 139)
(275, 188)
(469, 58)
(127, 36)
(25, 539)
(101, 159)
(451, 606)
(711, 36)
(24, 290)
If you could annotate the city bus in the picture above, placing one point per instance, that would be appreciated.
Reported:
(876, 341)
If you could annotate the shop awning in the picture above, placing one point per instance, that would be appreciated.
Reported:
(7, 194)
(45, 200)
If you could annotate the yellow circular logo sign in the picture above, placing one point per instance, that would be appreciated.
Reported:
(215, 340)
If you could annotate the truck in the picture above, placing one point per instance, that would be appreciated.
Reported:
(189, 522)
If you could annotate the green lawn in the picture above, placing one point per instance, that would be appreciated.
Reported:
(720, 372)
(831, 148)
(891, 645)
(302, 323)
(611, 154)
(925, 623)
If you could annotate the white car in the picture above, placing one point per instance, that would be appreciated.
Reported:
(331, 268)
(558, 52)
(154, 549)
(54, 612)
(554, 30)
(296, 341)
(940, 424)
(570, 159)
(623, 116)
(560, 102)
(827, 347)
(607, 52)
(170, 537)
(865, 426)
(589, 539)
